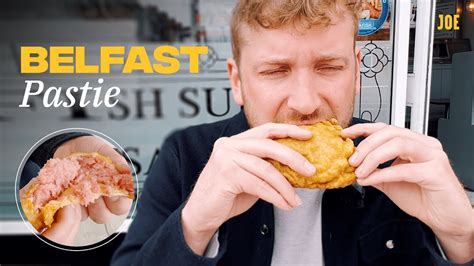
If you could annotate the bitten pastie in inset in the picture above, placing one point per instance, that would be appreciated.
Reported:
(80, 178)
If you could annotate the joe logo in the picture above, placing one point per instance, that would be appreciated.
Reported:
(448, 22)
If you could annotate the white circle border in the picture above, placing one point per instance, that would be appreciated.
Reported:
(70, 130)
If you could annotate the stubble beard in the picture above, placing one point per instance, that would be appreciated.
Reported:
(292, 117)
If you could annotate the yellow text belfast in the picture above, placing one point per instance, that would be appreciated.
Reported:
(72, 59)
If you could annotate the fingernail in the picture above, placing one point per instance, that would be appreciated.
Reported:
(298, 200)
(309, 167)
(353, 158)
(123, 168)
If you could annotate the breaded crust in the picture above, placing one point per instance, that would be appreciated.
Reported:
(327, 151)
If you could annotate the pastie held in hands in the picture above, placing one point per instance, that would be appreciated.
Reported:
(327, 151)
(80, 178)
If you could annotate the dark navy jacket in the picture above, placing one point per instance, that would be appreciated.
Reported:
(356, 223)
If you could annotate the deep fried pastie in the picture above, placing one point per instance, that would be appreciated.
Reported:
(327, 151)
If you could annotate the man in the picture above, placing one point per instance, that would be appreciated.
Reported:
(212, 198)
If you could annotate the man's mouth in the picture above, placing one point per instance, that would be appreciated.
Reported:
(303, 122)
(309, 122)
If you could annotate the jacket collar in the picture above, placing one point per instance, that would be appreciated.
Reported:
(236, 124)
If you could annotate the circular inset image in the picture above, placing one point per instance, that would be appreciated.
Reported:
(76, 188)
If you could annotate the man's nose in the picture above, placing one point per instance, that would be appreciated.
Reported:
(303, 96)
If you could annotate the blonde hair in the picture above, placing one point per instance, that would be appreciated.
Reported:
(272, 14)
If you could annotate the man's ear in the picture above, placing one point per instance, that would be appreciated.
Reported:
(357, 68)
(235, 83)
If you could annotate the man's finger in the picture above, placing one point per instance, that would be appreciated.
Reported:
(93, 144)
(118, 205)
(66, 225)
(265, 171)
(379, 134)
(411, 173)
(253, 185)
(403, 148)
(98, 211)
(276, 130)
(266, 148)
(117, 158)
(123, 169)
(369, 129)
(362, 130)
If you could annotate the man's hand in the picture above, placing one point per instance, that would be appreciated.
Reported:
(104, 207)
(66, 225)
(237, 175)
(420, 181)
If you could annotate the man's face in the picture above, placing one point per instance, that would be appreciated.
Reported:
(295, 75)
